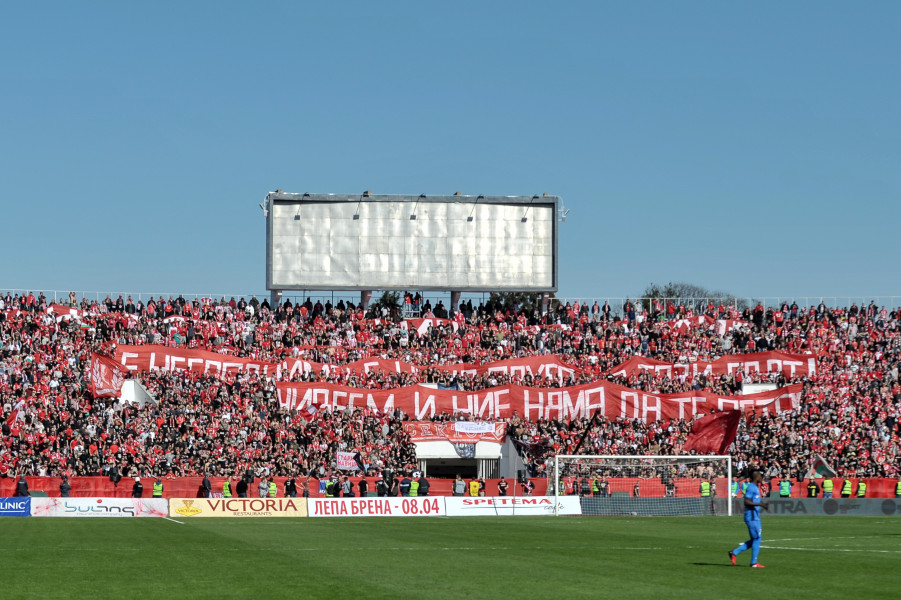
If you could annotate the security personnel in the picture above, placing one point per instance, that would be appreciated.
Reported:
(158, 487)
(596, 486)
(785, 488)
(898, 489)
(584, 487)
(861, 489)
(846, 488)
(404, 486)
(812, 489)
(827, 488)
(273, 489)
(474, 487)
(226, 488)
(414, 487)
(705, 489)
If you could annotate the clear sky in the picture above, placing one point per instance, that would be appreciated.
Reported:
(748, 147)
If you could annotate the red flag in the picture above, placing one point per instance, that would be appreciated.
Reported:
(107, 377)
(713, 433)
(14, 414)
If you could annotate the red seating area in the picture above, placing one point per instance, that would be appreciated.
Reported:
(52, 425)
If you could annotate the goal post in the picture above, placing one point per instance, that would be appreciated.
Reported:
(642, 485)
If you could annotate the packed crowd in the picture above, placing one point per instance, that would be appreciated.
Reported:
(849, 413)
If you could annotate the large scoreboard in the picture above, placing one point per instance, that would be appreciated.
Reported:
(415, 242)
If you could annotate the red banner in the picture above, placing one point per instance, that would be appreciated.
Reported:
(613, 401)
(713, 433)
(456, 432)
(153, 357)
(792, 365)
(107, 377)
(549, 365)
(421, 326)
(552, 366)
(683, 326)
(61, 312)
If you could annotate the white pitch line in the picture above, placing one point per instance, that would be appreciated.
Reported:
(830, 550)
(846, 537)
(173, 520)
(458, 548)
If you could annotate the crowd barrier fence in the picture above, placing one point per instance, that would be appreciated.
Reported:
(191, 487)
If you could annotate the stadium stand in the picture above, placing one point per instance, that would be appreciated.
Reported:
(53, 426)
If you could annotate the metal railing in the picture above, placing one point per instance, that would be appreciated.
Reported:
(775, 302)
(698, 305)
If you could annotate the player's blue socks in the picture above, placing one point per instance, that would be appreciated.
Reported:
(755, 550)
(754, 545)
(742, 548)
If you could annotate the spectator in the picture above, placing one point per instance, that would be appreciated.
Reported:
(204, 424)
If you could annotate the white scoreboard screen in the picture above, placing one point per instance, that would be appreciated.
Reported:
(366, 242)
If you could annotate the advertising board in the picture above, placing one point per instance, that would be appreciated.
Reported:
(830, 507)
(99, 507)
(237, 507)
(508, 506)
(414, 506)
(15, 507)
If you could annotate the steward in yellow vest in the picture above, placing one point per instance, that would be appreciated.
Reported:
(861, 488)
(705, 489)
(273, 489)
(226, 489)
(846, 488)
(785, 488)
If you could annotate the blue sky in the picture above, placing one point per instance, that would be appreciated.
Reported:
(748, 147)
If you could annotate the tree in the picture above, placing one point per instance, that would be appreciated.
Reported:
(687, 292)
(389, 299)
(522, 301)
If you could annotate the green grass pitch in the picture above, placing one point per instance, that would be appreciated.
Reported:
(459, 558)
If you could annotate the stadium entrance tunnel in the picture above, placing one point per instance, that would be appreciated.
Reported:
(449, 468)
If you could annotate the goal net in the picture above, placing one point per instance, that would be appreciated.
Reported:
(645, 485)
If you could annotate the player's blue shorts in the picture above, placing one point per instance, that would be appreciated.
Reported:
(754, 528)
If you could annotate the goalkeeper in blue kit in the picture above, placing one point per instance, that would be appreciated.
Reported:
(752, 520)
